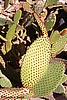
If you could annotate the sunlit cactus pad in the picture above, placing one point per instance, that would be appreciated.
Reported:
(50, 80)
(36, 62)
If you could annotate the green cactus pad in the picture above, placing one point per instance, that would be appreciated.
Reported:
(48, 2)
(60, 89)
(64, 78)
(50, 21)
(50, 80)
(4, 81)
(36, 62)
(59, 45)
(55, 35)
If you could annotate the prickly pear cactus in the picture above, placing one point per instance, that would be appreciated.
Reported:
(50, 22)
(60, 89)
(4, 81)
(36, 62)
(55, 35)
(41, 86)
(59, 45)
(36, 73)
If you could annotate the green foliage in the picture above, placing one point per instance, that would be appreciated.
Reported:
(17, 16)
(50, 22)
(59, 45)
(1, 37)
(48, 2)
(60, 89)
(4, 81)
(36, 62)
(8, 46)
(26, 33)
(9, 37)
(48, 83)
(11, 32)
(64, 78)
(55, 35)
(2, 21)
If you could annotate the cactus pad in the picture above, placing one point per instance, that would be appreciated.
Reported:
(50, 81)
(36, 62)
(60, 89)
(59, 45)
(50, 21)
(55, 35)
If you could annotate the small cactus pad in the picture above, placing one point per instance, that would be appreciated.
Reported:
(50, 80)
(50, 21)
(55, 35)
(4, 81)
(36, 62)
(59, 45)
(60, 89)
(64, 78)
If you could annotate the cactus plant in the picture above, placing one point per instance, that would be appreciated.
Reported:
(60, 89)
(15, 93)
(48, 83)
(4, 81)
(55, 35)
(36, 62)
(59, 45)
(34, 73)
(50, 21)
(39, 75)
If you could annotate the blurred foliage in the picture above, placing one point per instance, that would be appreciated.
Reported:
(21, 23)
(4, 81)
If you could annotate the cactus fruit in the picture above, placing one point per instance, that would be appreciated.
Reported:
(36, 62)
